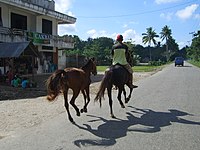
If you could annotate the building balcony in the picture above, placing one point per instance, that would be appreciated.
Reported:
(18, 35)
(41, 7)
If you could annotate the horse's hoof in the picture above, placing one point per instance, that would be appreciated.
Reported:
(122, 106)
(78, 114)
(127, 100)
(84, 110)
(112, 116)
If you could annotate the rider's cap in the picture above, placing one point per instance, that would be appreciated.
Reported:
(119, 37)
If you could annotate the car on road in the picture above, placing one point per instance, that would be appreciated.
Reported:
(179, 61)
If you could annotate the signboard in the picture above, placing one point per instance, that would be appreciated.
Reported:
(39, 38)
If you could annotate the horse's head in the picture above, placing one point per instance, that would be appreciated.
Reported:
(90, 66)
(94, 67)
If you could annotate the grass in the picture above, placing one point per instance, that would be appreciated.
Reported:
(196, 63)
(101, 68)
(144, 68)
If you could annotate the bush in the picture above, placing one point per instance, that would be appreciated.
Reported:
(156, 63)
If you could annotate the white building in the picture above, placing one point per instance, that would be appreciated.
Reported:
(36, 21)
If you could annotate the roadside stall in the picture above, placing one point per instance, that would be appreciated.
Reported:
(17, 58)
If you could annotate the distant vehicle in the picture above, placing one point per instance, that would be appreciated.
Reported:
(179, 61)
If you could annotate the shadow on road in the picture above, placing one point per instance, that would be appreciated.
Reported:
(111, 130)
(184, 66)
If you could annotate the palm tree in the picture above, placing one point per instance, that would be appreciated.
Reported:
(166, 34)
(149, 37)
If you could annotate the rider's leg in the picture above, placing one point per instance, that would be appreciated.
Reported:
(128, 67)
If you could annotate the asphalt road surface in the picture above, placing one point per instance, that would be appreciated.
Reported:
(163, 114)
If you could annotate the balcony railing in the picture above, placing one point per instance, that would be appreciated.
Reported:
(18, 35)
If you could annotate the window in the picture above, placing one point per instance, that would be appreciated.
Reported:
(46, 26)
(18, 21)
(1, 22)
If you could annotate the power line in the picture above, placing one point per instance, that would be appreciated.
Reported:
(135, 14)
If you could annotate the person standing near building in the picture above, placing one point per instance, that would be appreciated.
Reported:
(46, 66)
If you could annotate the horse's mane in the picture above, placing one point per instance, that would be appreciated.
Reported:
(86, 65)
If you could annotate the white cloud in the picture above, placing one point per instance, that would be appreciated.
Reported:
(92, 33)
(197, 16)
(125, 26)
(70, 14)
(167, 16)
(182, 44)
(165, 1)
(66, 29)
(63, 5)
(131, 34)
(128, 34)
(102, 33)
(187, 12)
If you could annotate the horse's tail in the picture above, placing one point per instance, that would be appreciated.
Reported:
(104, 84)
(53, 85)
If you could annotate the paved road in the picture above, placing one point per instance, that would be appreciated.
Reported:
(163, 114)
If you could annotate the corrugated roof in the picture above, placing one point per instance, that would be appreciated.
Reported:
(17, 48)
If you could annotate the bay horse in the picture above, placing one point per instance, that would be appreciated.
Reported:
(77, 79)
(117, 75)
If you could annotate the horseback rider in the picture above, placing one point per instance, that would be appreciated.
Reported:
(119, 54)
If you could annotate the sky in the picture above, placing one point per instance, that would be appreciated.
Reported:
(107, 18)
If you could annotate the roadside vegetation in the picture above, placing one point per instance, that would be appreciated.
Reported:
(153, 54)
(146, 68)
(193, 52)
(139, 68)
(196, 63)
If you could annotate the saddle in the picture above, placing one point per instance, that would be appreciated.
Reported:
(116, 66)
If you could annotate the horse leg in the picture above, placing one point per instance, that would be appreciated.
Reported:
(119, 96)
(84, 95)
(72, 101)
(124, 92)
(109, 90)
(129, 96)
(88, 99)
(67, 106)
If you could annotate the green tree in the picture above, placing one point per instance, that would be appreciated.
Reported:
(173, 48)
(166, 35)
(149, 37)
(194, 50)
(100, 48)
(131, 49)
(104, 50)
(78, 47)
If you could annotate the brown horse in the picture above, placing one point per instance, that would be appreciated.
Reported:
(75, 79)
(117, 75)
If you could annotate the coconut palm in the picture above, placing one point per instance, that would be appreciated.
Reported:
(166, 35)
(149, 37)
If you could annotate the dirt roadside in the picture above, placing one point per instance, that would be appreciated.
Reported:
(22, 109)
